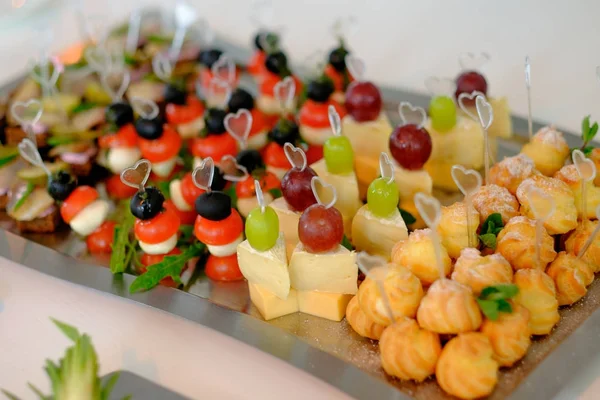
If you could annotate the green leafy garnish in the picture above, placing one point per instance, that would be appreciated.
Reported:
(8, 154)
(346, 243)
(588, 131)
(164, 188)
(186, 235)
(187, 157)
(408, 218)
(81, 107)
(490, 230)
(60, 140)
(276, 193)
(493, 300)
(123, 247)
(233, 195)
(28, 190)
(160, 39)
(129, 59)
(75, 376)
(170, 266)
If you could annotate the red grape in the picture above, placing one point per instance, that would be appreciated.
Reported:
(363, 101)
(296, 189)
(320, 229)
(410, 146)
(468, 82)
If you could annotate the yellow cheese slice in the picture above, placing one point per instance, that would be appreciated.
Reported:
(502, 124)
(271, 306)
(330, 306)
(346, 186)
(368, 139)
(288, 221)
(377, 235)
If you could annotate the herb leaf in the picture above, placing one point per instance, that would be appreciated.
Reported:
(588, 131)
(28, 190)
(81, 107)
(170, 266)
(346, 243)
(232, 193)
(490, 229)
(489, 308)
(276, 193)
(122, 247)
(408, 218)
(70, 331)
(494, 300)
(488, 240)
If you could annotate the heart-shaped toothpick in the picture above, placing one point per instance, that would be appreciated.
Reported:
(97, 58)
(122, 77)
(440, 86)
(238, 125)
(41, 73)
(484, 112)
(185, 15)
(323, 191)
(430, 210)
(27, 113)
(410, 114)
(592, 237)
(28, 150)
(218, 93)
(284, 92)
(137, 175)
(133, 31)
(542, 204)
(465, 100)
(161, 66)
(334, 121)
(356, 67)
(145, 108)
(295, 156)
(472, 61)
(203, 174)
(468, 181)
(586, 169)
(233, 171)
(375, 268)
(224, 69)
(386, 168)
(528, 87)
(260, 198)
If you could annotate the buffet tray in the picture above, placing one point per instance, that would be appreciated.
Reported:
(329, 350)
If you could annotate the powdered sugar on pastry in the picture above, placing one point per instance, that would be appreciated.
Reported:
(548, 135)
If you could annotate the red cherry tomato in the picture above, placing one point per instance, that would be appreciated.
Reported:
(157, 229)
(269, 80)
(206, 76)
(186, 217)
(81, 197)
(260, 123)
(117, 189)
(101, 240)
(336, 77)
(223, 269)
(274, 156)
(126, 136)
(313, 154)
(316, 115)
(182, 114)
(219, 233)
(256, 64)
(215, 146)
(246, 189)
(189, 191)
(151, 259)
(165, 147)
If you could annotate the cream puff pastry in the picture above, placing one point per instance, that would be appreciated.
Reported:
(417, 254)
(537, 293)
(453, 228)
(362, 324)
(568, 174)
(509, 335)
(571, 276)
(510, 172)
(409, 352)
(548, 149)
(467, 368)
(477, 271)
(577, 239)
(516, 242)
(449, 307)
(490, 199)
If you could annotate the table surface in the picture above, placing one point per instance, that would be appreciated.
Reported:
(185, 357)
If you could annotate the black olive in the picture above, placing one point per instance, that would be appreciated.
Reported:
(320, 90)
(175, 95)
(214, 205)
(240, 98)
(147, 204)
(258, 41)
(119, 114)
(61, 185)
(214, 120)
(277, 63)
(149, 128)
(337, 59)
(250, 159)
(209, 57)
(270, 38)
(285, 131)
(218, 182)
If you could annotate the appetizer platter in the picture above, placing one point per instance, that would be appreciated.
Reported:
(435, 251)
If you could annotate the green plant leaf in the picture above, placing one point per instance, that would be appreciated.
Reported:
(487, 291)
(276, 193)
(408, 218)
(70, 331)
(588, 150)
(170, 266)
(346, 243)
(28, 190)
(9, 395)
(109, 386)
(506, 291)
(123, 246)
(585, 127)
(504, 306)
(158, 39)
(491, 223)
(164, 188)
(8, 159)
(83, 107)
(488, 240)
(489, 308)
(186, 235)
(233, 195)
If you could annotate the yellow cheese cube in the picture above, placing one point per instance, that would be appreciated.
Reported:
(502, 124)
(370, 138)
(271, 306)
(269, 269)
(377, 235)
(346, 186)
(288, 221)
(330, 306)
(333, 272)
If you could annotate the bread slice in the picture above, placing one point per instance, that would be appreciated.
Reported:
(15, 134)
(46, 224)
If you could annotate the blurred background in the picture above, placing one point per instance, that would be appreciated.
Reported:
(402, 42)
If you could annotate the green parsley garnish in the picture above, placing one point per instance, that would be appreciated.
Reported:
(494, 299)
(490, 230)
(123, 247)
(588, 132)
(346, 243)
(408, 218)
(83, 107)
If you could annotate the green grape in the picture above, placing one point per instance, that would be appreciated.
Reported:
(262, 228)
(382, 197)
(338, 154)
(443, 113)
